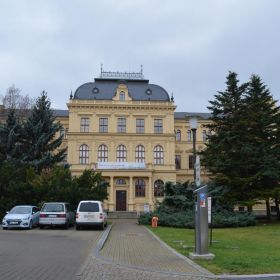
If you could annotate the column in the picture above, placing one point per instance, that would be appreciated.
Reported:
(130, 195)
(150, 193)
(111, 195)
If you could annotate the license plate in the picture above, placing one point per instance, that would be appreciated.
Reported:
(52, 216)
(13, 223)
(89, 216)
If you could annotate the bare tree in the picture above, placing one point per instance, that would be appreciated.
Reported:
(13, 99)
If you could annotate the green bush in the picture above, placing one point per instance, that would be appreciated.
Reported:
(177, 208)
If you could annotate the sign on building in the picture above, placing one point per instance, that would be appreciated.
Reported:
(121, 165)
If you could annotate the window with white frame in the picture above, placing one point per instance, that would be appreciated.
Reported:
(158, 127)
(122, 125)
(189, 135)
(140, 188)
(103, 125)
(178, 135)
(84, 125)
(84, 154)
(140, 125)
(204, 135)
(140, 153)
(122, 96)
(102, 153)
(121, 153)
(158, 188)
(158, 155)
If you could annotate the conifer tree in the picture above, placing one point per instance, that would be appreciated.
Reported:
(40, 143)
(10, 138)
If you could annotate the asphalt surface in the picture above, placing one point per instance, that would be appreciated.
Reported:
(44, 254)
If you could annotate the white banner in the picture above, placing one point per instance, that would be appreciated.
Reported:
(121, 165)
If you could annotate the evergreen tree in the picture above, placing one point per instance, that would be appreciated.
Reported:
(222, 154)
(243, 151)
(40, 143)
(10, 138)
(261, 118)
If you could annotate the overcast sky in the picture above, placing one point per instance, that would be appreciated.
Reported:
(187, 47)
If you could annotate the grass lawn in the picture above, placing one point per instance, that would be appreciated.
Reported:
(249, 250)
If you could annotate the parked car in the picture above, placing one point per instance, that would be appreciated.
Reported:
(56, 214)
(90, 213)
(21, 216)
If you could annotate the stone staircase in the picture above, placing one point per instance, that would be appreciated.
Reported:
(122, 215)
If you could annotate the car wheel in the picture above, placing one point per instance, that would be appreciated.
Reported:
(102, 226)
(41, 227)
(78, 227)
(66, 226)
(30, 224)
(5, 228)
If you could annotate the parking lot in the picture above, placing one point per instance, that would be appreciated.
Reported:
(44, 254)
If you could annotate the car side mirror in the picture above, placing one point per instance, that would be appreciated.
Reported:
(7, 212)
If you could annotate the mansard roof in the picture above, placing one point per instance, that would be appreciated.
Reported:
(105, 89)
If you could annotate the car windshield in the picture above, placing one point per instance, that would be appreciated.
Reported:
(53, 207)
(20, 210)
(89, 207)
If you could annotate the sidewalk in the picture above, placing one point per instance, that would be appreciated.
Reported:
(132, 252)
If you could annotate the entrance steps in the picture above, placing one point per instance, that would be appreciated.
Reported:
(122, 215)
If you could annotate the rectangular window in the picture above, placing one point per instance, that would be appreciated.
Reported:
(191, 162)
(122, 125)
(204, 135)
(140, 125)
(84, 124)
(103, 125)
(63, 132)
(178, 161)
(189, 135)
(158, 126)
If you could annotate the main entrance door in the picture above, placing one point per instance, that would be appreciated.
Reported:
(121, 200)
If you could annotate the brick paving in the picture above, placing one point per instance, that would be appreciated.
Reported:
(131, 252)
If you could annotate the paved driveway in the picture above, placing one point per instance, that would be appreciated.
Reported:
(44, 254)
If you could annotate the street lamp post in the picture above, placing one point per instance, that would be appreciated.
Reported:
(201, 211)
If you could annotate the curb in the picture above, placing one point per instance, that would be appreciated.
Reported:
(190, 262)
(102, 241)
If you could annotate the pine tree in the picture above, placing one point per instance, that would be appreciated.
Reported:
(40, 143)
(243, 151)
(10, 138)
(222, 154)
(261, 118)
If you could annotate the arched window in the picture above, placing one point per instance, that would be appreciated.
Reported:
(178, 135)
(139, 188)
(158, 155)
(102, 153)
(122, 96)
(121, 153)
(159, 188)
(140, 153)
(84, 154)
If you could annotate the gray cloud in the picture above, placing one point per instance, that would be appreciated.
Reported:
(185, 46)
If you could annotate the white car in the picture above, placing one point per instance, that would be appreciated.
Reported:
(90, 213)
(21, 216)
(56, 214)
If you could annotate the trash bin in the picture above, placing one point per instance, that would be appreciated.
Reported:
(154, 222)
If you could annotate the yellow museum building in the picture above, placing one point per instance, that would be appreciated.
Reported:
(127, 128)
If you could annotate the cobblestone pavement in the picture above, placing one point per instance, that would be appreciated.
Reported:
(44, 254)
(131, 252)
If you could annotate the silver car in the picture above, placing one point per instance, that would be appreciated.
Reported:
(21, 216)
(56, 214)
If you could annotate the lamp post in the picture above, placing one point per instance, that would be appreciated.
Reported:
(193, 126)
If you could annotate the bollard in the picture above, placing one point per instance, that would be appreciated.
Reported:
(154, 222)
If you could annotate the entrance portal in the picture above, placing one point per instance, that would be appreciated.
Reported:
(120, 200)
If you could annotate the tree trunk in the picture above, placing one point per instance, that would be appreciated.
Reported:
(268, 214)
(250, 208)
(277, 208)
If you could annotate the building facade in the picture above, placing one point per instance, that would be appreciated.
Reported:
(127, 129)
